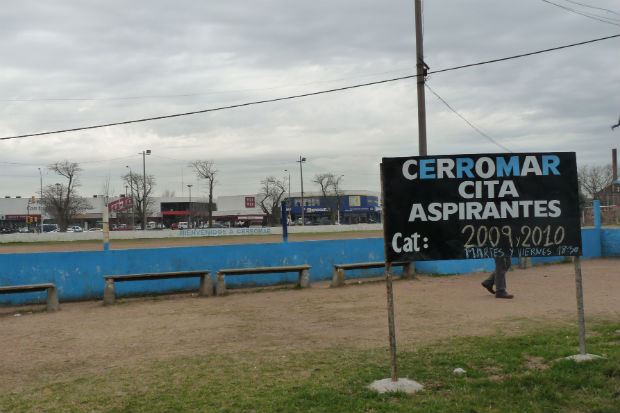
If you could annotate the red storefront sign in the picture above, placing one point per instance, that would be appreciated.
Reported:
(20, 217)
(122, 204)
(250, 202)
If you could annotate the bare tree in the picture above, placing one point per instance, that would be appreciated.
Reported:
(142, 201)
(270, 195)
(206, 170)
(60, 201)
(593, 179)
(107, 190)
(330, 189)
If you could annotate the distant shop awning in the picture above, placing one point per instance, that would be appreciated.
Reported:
(88, 216)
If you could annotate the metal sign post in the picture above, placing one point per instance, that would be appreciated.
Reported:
(580, 311)
(390, 298)
(393, 383)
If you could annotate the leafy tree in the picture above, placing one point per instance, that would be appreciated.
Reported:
(206, 170)
(61, 201)
(270, 196)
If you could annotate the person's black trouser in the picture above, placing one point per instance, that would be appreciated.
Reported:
(498, 277)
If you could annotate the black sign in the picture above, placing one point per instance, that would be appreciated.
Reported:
(481, 206)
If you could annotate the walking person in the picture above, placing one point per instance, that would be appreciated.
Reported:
(498, 278)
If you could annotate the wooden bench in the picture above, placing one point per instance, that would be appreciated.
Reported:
(338, 274)
(303, 279)
(206, 285)
(52, 294)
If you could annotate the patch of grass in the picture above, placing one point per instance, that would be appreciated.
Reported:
(525, 373)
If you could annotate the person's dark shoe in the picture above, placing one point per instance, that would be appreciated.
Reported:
(503, 294)
(488, 286)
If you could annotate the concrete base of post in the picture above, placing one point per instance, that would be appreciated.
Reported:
(337, 278)
(109, 296)
(220, 284)
(388, 385)
(304, 279)
(583, 357)
(52, 299)
(525, 262)
(206, 286)
(409, 271)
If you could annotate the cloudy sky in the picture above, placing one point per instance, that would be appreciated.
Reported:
(72, 64)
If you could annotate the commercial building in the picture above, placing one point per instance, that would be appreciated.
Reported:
(350, 207)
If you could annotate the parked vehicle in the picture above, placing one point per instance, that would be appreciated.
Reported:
(50, 228)
(74, 228)
(174, 225)
(183, 225)
(152, 225)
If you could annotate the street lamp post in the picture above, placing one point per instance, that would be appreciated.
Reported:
(289, 203)
(41, 201)
(338, 196)
(191, 221)
(133, 220)
(301, 174)
(144, 153)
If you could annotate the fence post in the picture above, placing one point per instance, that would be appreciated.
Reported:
(597, 213)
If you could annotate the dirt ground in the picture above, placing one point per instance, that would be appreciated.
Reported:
(87, 338)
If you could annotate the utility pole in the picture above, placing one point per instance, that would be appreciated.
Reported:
(421, 70)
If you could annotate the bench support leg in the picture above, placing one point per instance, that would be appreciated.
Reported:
(52, 299)
(337, 277)
(206, 286)
(409, 271)
(220, 284)
(108, 293)
(304, 278)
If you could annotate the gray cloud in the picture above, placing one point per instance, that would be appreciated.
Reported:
(143, 59)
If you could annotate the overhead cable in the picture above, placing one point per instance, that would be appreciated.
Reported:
(303, 95)
(602, 19)
(490, 139)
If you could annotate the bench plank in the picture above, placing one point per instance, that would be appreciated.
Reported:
(52, 294)
(338, 276)
(205, 289)
(264, 270)
(155, 276)
(303, 277)
(25, 288)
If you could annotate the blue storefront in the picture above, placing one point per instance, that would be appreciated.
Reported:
(349, 208)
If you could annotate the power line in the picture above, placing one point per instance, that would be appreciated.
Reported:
(588, 15)
(466, 121)
(303, 95)
(593, 7)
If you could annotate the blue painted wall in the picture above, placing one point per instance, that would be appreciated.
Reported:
(610, 242)
(78, 275)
